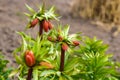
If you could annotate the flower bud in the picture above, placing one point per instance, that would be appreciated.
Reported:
(64, 46)
(59, 38)
(34, 22)
(45, 26)
(49, 38)
(46, 64)
(29, 58)
(50, 26)
(52, 39)
(76, 43)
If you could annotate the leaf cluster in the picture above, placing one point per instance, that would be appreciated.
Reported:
(4, 71)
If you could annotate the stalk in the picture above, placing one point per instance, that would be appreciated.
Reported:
(40, 28)
(62, 59)
(29, 77)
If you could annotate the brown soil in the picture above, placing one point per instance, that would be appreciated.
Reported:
(13, 20)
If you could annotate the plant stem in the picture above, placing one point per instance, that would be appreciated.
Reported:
(62, 59)
(40, 28)
(29, 77)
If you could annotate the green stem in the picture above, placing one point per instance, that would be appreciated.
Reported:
(29, 77)
(62, 59)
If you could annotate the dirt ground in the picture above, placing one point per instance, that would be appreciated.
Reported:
(12, 19)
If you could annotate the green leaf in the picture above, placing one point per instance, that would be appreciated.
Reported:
(14, 72)
(40, 18)
(27, 14)
(62, 78)
(68, 77)
(21, 78)
(52, 9)
(24, 44)
(35, 74)
(18, 59)
(4, 70)
(30, 9)
(66, 30)
(27, 26)
(71, 64)
(34, 16)
(47, 73)
(57, 63)
(37, 46)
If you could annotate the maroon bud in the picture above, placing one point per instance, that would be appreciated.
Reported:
(59, 38)
(50, 26)
(49, 38)
(76, 43)
(45, 26)
(52, 39)
(33, 23)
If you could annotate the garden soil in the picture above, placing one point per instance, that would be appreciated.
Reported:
(12, 20)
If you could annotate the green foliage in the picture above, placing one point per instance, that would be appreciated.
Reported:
(42, 13)
(4, 71)
(95, 64)
(88, 62)
(92, 46)
(41, 49)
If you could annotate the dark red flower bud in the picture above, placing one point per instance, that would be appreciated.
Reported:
(59, 38)
(45, 26)
(50, 26)
(34, 22)
(64, 46)
(76, 43)
(29, 58)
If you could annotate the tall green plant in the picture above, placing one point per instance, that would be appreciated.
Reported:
(57, 55)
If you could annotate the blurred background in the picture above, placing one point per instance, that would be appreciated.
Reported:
(100, 18)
